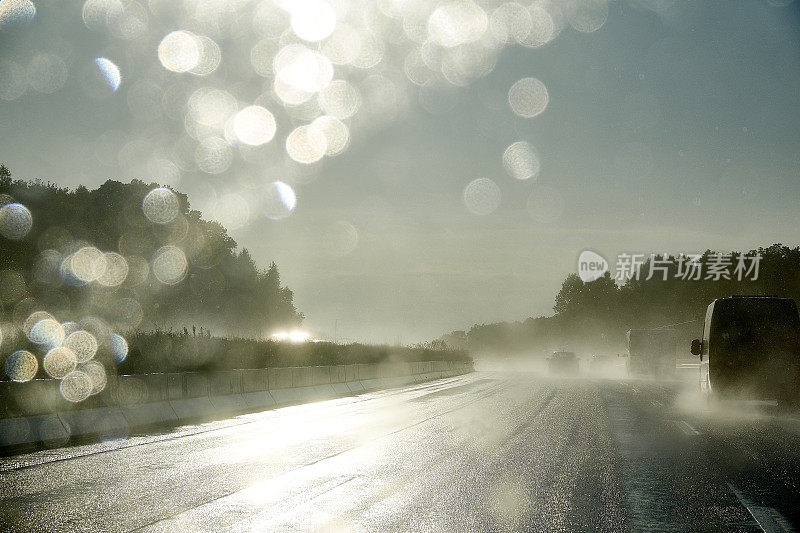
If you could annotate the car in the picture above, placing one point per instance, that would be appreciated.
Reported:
(750, 349)
(563, 363)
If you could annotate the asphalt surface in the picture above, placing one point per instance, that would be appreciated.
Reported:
(483, 452)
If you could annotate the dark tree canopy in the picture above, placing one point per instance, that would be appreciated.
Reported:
(219, 287)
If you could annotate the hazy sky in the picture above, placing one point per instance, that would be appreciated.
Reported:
(673, 127)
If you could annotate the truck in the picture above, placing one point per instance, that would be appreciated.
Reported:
(750, 349)
(652, 352)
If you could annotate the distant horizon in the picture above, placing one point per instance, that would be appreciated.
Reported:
(393, 341)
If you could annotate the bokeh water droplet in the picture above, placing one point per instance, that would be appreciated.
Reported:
(528, 97)
(179, 51)
(21, 366)
(160, 206)
(59, 362)
(15, 221)
(482, 196)
(521, 161)
(170, 265)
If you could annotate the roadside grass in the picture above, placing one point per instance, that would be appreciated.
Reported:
(175, 352)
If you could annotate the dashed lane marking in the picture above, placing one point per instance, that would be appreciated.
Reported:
(768, 519)
(687, 428)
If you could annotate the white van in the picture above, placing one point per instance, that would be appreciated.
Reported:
(750, 349)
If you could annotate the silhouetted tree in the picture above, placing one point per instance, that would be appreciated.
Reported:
(222, 286)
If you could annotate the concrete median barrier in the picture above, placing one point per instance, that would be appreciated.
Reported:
(8, 399)
(341, 389)
(280, 378)
(196, 385)
(15, 431)
(225, 391)
(325, 392)
(302, 376)
(50, 429)
(225, 383)
(36, 412)
(296, 395)
(144, 400)
(320, 375)
(302, 394)
(283, 396)
(36, 397)
(355, 387)
(338, 374)
(47, 429)
(258, 400)
(397, 381)
(193, 408)
(196, 404)
(367, 372)
(371, 384)
(280, 385)
(102, 422)
(176, 386)
(149, 414)
(255, 389)
(254, 380)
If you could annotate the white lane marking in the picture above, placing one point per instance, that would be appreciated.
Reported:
(767, 518)
(687, 428)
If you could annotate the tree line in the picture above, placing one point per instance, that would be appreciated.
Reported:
(219, 288)
(593, 316)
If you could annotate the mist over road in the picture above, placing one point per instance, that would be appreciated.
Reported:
(490, 451)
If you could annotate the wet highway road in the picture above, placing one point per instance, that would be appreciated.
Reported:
(483, 452)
